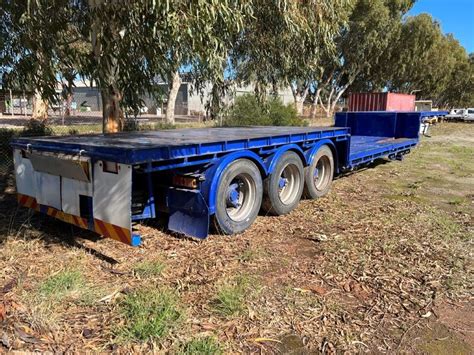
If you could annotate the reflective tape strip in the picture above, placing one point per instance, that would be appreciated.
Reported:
(27, 201)
(105, 229)
(112, 231)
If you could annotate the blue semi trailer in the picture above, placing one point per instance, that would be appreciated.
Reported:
(224, 176)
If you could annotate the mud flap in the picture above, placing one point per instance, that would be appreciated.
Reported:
(189, 213)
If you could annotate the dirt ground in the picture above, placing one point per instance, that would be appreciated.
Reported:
(383, 264)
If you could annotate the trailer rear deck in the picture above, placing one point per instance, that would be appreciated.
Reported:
(152, 146)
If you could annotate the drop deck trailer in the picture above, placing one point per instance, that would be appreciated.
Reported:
(105, 183)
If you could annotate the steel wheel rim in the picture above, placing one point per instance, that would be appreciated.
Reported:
(240, 198)
(321, 173)
(292, 180)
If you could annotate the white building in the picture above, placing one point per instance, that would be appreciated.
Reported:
(188, 101)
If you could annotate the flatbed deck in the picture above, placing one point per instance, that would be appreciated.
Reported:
(147, 146)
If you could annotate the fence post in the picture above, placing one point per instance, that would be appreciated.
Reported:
(11, 102)
(26, 103)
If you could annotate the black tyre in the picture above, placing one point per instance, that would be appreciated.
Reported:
(239, 197)
(283, 188)
(319, 175)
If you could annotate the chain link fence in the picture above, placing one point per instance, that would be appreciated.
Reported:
(16, 122)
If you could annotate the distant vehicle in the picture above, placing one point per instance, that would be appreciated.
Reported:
(461, 115)
(469, 116)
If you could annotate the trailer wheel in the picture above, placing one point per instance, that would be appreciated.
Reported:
(318, 175)
(239, 197)
(283, 188)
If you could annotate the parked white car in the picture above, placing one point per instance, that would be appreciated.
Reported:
(469, 116)
(461, 114)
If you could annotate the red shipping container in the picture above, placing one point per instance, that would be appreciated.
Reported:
(381, 101)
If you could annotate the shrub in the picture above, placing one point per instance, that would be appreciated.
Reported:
(132, 125)
(6, 135)
(248, 111)
(35, 128)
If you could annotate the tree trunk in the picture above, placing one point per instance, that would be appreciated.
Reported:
(299, 96)
(339, 94)
(299, 105)
(112, 114)
(314, 104)
(327, 107)
(67, 111)
(172, 94)
(40, 107)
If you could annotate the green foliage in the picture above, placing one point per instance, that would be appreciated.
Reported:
(321, 48)
(6, 135)
(148, 314)
(35, 128)
(284, 41)
(61, 284)
(361, 47)
(423, 60)
(248, 111)
(202, 346)
(149, 268)
(163, 125)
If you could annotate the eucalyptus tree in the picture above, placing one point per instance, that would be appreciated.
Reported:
(195, 37)
(123, 46)
(136, 45)
(283, 42)
(31, 34)
(372, 26)
(431, 63)
(459, 89)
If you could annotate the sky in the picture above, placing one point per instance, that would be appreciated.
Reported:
(455, 16)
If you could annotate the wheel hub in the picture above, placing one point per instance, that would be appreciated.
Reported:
(288, 184)
(233, 195)
(316, 173)
(283, 182)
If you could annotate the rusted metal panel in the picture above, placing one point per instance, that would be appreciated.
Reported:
(381, 101)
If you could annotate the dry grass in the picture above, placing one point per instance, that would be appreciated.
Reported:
(358, 270)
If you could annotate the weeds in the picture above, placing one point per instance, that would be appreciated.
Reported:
(150, 268)
(202, 346)
(149, 314)
(61, 284)
(46, 301)
(248, 255)
(230, 297)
